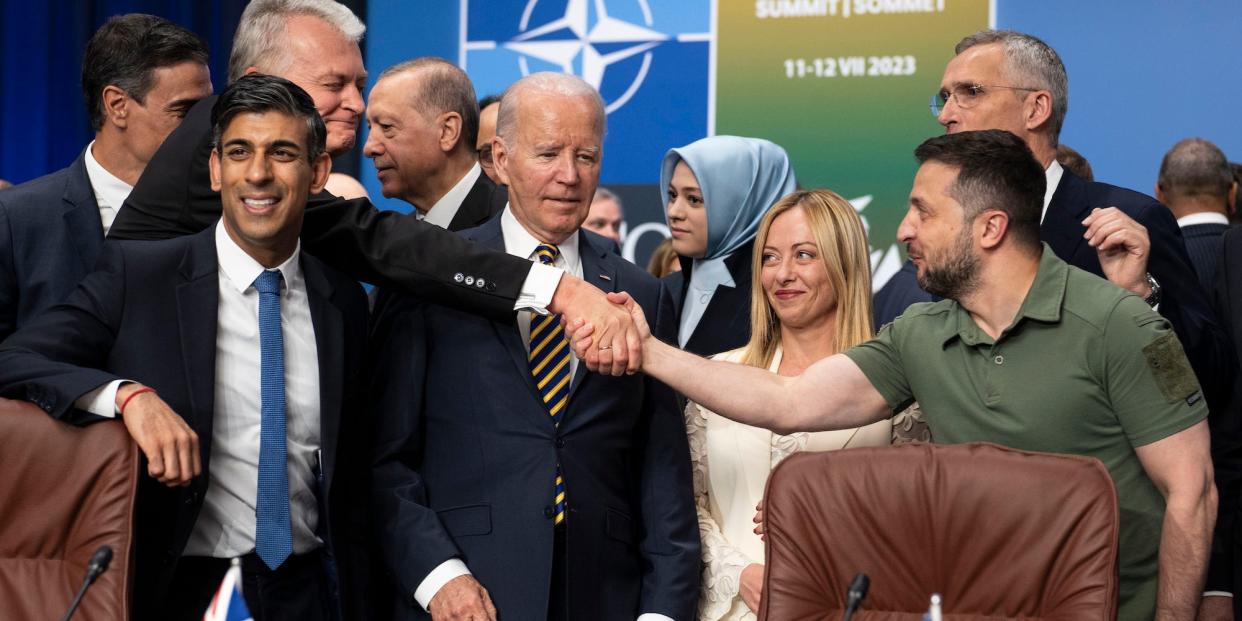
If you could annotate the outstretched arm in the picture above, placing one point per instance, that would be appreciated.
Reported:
(831, 394)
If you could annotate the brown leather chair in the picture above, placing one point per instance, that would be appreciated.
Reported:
(64, 491)
(998, 532)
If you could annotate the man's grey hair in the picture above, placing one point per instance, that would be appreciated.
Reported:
(604, 194)
(444, 87)
(260, 38)
(1195, 167)
(551, 83)
(1029, 63)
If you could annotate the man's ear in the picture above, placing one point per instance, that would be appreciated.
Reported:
(1037, 109)
(115, 105)
(500, 157)
(320, 169)
(995, 225)
(450, 130)
(250, 70)
(1232, 205)
(1160, 194)
(213, 165)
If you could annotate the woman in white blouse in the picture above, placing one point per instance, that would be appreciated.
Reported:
(811, 298)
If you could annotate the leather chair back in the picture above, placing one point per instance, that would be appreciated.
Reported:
(997, 532)
(64, 491)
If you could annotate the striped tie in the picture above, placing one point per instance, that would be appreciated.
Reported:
(549, 365)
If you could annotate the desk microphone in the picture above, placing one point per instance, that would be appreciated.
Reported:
(99, 564)
(855, 595)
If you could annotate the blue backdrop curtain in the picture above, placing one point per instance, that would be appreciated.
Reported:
(43, 121)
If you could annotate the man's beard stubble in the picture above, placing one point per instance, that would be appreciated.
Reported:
(957, 276)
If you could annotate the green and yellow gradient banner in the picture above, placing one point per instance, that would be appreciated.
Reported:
(844, 86)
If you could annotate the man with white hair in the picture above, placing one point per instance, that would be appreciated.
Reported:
(607, 216)
(314, 44)
(496, 450)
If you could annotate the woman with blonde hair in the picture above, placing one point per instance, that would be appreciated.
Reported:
(810, 298)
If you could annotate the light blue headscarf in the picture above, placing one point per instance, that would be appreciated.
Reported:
(740, 178)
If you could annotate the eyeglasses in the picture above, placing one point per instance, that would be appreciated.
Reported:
(485, 154)
(966, 95)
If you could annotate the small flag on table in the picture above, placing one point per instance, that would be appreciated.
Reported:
(228, 603)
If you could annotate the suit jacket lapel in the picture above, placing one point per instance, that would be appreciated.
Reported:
(598, 268)
(198, 299)
(490, 236)
(81, 213)
(1062, 227)
(330, 347)
(477, 207)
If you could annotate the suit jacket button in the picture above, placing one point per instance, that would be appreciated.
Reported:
(549, 512)
(480, 283)
(560, 443)
(469, 280)
(491, 286)
(458, 277)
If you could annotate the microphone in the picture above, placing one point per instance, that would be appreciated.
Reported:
(97, 565)
(855, 595)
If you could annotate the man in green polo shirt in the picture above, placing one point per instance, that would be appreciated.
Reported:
(1025, 351)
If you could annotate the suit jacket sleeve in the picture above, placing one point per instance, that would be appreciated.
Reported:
(55, 358)
(411, 537)
(670, 541)
(1186, 305)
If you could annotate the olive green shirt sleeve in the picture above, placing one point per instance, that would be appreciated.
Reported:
(1150, 383)
(880, 361)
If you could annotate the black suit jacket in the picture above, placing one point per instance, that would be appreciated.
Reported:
(1224, 571)
(50, 235)
(1203, 243)
(174, 197)
(1184, 303)
(486, 199)
(725, 324)
(149, 315)
(466, 455)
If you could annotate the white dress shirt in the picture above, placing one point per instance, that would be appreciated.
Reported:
(1202, 217)
(519, 243)
(110, 192)
(705, 276)
(1053, 174)
(442, 213)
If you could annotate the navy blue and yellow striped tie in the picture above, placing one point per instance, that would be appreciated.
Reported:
(549, 365)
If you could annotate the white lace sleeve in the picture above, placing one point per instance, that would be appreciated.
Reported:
(722, 563)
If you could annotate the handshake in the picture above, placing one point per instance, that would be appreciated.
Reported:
(608, 332)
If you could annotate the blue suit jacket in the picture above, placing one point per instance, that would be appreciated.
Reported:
(725, 323)
(149, 314)
(50, 235)
(1203, 245)
(466, 455)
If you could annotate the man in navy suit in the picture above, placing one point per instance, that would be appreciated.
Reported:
(140, 74)
(508, 480)
(233, 359)
(1016, 82)
(1197, 185)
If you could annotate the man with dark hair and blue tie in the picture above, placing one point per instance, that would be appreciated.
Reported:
(230, 357)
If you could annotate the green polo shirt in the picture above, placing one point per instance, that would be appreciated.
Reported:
(1086, 368)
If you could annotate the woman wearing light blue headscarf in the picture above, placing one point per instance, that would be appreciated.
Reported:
(716, 191)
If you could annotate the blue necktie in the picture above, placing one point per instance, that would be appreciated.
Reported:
(273, 536)
(549, 364)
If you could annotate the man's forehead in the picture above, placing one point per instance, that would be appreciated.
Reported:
(268, 126)
(978, 61)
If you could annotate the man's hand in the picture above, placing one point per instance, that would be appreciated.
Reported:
(462, 599)
(1216, 608)
(1123, 247)
(617, 339)
(750, 586)
(170, 445)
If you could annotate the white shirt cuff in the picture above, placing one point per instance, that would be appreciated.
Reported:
(1217, 594)
(653, 616)
(102, 400)
(436, 580)
(538, 289)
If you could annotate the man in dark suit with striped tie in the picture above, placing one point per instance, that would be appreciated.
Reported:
(509, 481)
(1197, 186)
